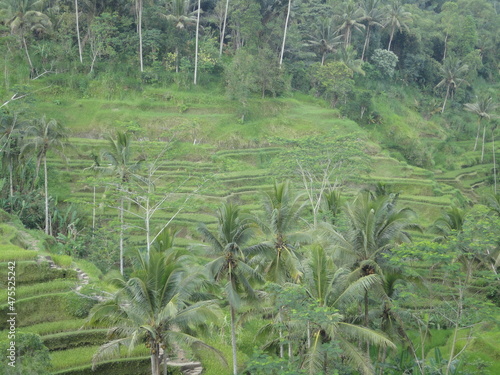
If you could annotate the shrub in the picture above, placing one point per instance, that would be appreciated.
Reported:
(385, 61)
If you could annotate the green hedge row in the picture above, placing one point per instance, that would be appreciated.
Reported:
(67, 340)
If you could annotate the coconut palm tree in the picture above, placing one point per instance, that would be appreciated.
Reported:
(119, 156)
(198, 12)
(155, 307)
(25, 17)
(338, 288)
(349, 19)
(285, 31)
(44, 136)
(483, 108)
(451, 222)
(452, 71)
(374, 226)
(230, 264)
(179, 13)
(223, 30)
(372, 17)
(11, 129)
(279, 261)
(396, 18)
(325, 37)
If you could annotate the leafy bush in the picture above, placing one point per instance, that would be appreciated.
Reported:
(32, 357)
(385, 61)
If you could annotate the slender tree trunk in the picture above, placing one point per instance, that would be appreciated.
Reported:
(223, 33)
(367, 322)
(139, 30)
(285, 31)
(477, 134)
(484, 139)
(196, 47)
(11, 179)
(494, 166)
(390, 39)
(28, 57)
(445, 45)
(445, 98)
(121, 235)
(367, 42)
(147, 225)
(155, 362)
(93, 213)
(308, 335)
(323, 58)
(78, 32)
(282, 350)
(176, 59)
(233, 340)
(46, 186)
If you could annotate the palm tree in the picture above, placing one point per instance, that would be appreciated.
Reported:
(350, 17)
(373, 17)
(279, 260)
(396, 18)
(483, 108)
(325, 38)
(10, 137)
(179, 13)
(452, 71)
(285, 31)
(154, 307)
(223, 30)
(374, 226)
(197, 38)
(119, 156)
(24, 17)
(450, 223)
(338, 288)
(230, 265)
(43, 136)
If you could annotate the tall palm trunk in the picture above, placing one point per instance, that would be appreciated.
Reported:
(233, 340)
(494, 163)
(285, 32)
(478, 131)
(446, 98)
(390, 38)
(32, 69)
(223, 33)
(121, 234)
(367, 42)
(155, 359)
(11, 180)
(484, 139)
(78, 32)
(139, 30)
(46, 188)
(196, 47)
